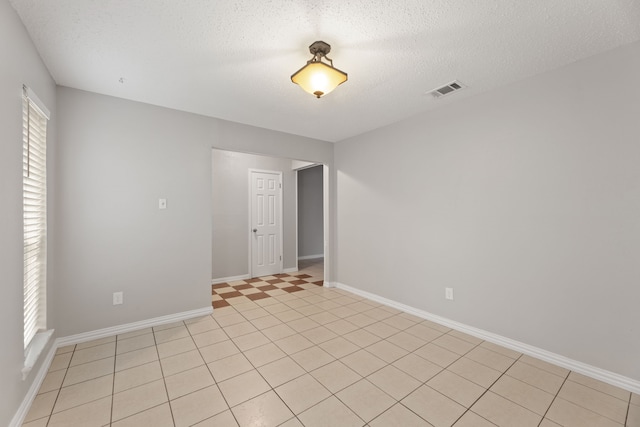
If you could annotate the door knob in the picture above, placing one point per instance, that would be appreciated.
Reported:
(255, 230)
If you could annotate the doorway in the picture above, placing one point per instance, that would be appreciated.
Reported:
(265, 216)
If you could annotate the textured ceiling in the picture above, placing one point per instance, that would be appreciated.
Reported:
(233, 59)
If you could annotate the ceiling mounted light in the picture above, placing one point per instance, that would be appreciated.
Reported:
(317, 77)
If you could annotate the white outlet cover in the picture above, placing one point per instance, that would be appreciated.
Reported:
(448, 293)
(162, 203)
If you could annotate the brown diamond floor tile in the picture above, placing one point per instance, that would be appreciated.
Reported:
(274, 281)
(292, 289)
(261, 295)
(220, 286)
(299, 282)
(302, 276)
(267, 288)
(233, 294)
(220, 304)
(241, 287)
(255, 279)
(281, 275)
(319, 282)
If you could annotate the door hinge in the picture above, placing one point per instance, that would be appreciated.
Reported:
(280, 257)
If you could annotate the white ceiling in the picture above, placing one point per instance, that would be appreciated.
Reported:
(233, 59)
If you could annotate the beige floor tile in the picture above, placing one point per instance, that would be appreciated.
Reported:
(84, 392)
(330, 412)
(596, 401)
(568, 414)
(138, 399)
(635, 399)
(548, 423)
(229, 367)
(218, 351)
(302, 393)
(137, 376)
(239, 329)
(198, 406)
(168, 326)
(465, 337)
(266, 410)
(312, 358)
(536, 377)
(336, 376)
(167, 335)
(93, 353)
(457, 388)
(278, 332)
(362, 338)
(310, 310)
(264, 354)
(398, 416)
(65, 349)
(394, 382)
(159, 416)
(523, 394)
(406, 341)
(434, 407)
(325, 317)
(438, 355)
(556, 370)
(243, 387)
(399, 322)
(289, 315)
(365, 399)
(60, 361)
(512, 354)
(136, 358)
(223, 419)
(293, 344)
(277, 308)
(475, 372)
(135, 333)
(363, 362)
(471, 419)
(255, 313)
(171, 348)
(379, 313)
(419, 368)
(302, 324)
(600, 386)
(424, 332)
(293, 422)
(250, 340)
(228, 318)
(342, 312)
(188, 381)
(387, 351)
(42, 422)
(52, 381)
(339, 347)
(453, 344)
(489, 358)
(381, 330)
(319, 335)
(503, 412)
(436, 326)
(181, 362)
(135, 343)
(89, 371)
(96, 413)
(95, 343)
(42, 406)
(265, 322)
(360, 320)
(280, 371)
(341, 327)
(202, 325)
(633, 417)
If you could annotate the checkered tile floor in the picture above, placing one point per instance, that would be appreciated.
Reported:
(225, 294)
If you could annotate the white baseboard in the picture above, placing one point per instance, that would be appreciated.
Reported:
(230, 278)
(22, 411)
(311, 257)
(19, 416)
(556, 359)
(290, 270)
(331, 285)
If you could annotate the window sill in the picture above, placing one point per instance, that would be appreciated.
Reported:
(33, 351)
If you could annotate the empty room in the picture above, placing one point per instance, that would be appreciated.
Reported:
(317, 213)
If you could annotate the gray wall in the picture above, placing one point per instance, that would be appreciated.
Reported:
(20, 65)
(310, 228)
(525, 200)
(115, 159)
(231, 210)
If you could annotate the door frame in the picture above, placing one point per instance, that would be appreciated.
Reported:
(250, 224)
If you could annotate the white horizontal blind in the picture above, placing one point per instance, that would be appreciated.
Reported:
(34, 184)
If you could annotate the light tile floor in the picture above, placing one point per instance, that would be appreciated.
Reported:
(315, 357)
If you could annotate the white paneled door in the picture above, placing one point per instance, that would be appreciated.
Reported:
(266, 223)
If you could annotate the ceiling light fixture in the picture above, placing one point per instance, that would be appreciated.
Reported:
(317, 77)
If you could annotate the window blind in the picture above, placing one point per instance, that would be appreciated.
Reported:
(34, 190)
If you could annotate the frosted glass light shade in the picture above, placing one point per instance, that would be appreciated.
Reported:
(318, 78)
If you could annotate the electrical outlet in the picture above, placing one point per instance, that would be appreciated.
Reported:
(162, 203)
(448, 293)
(117, 298)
